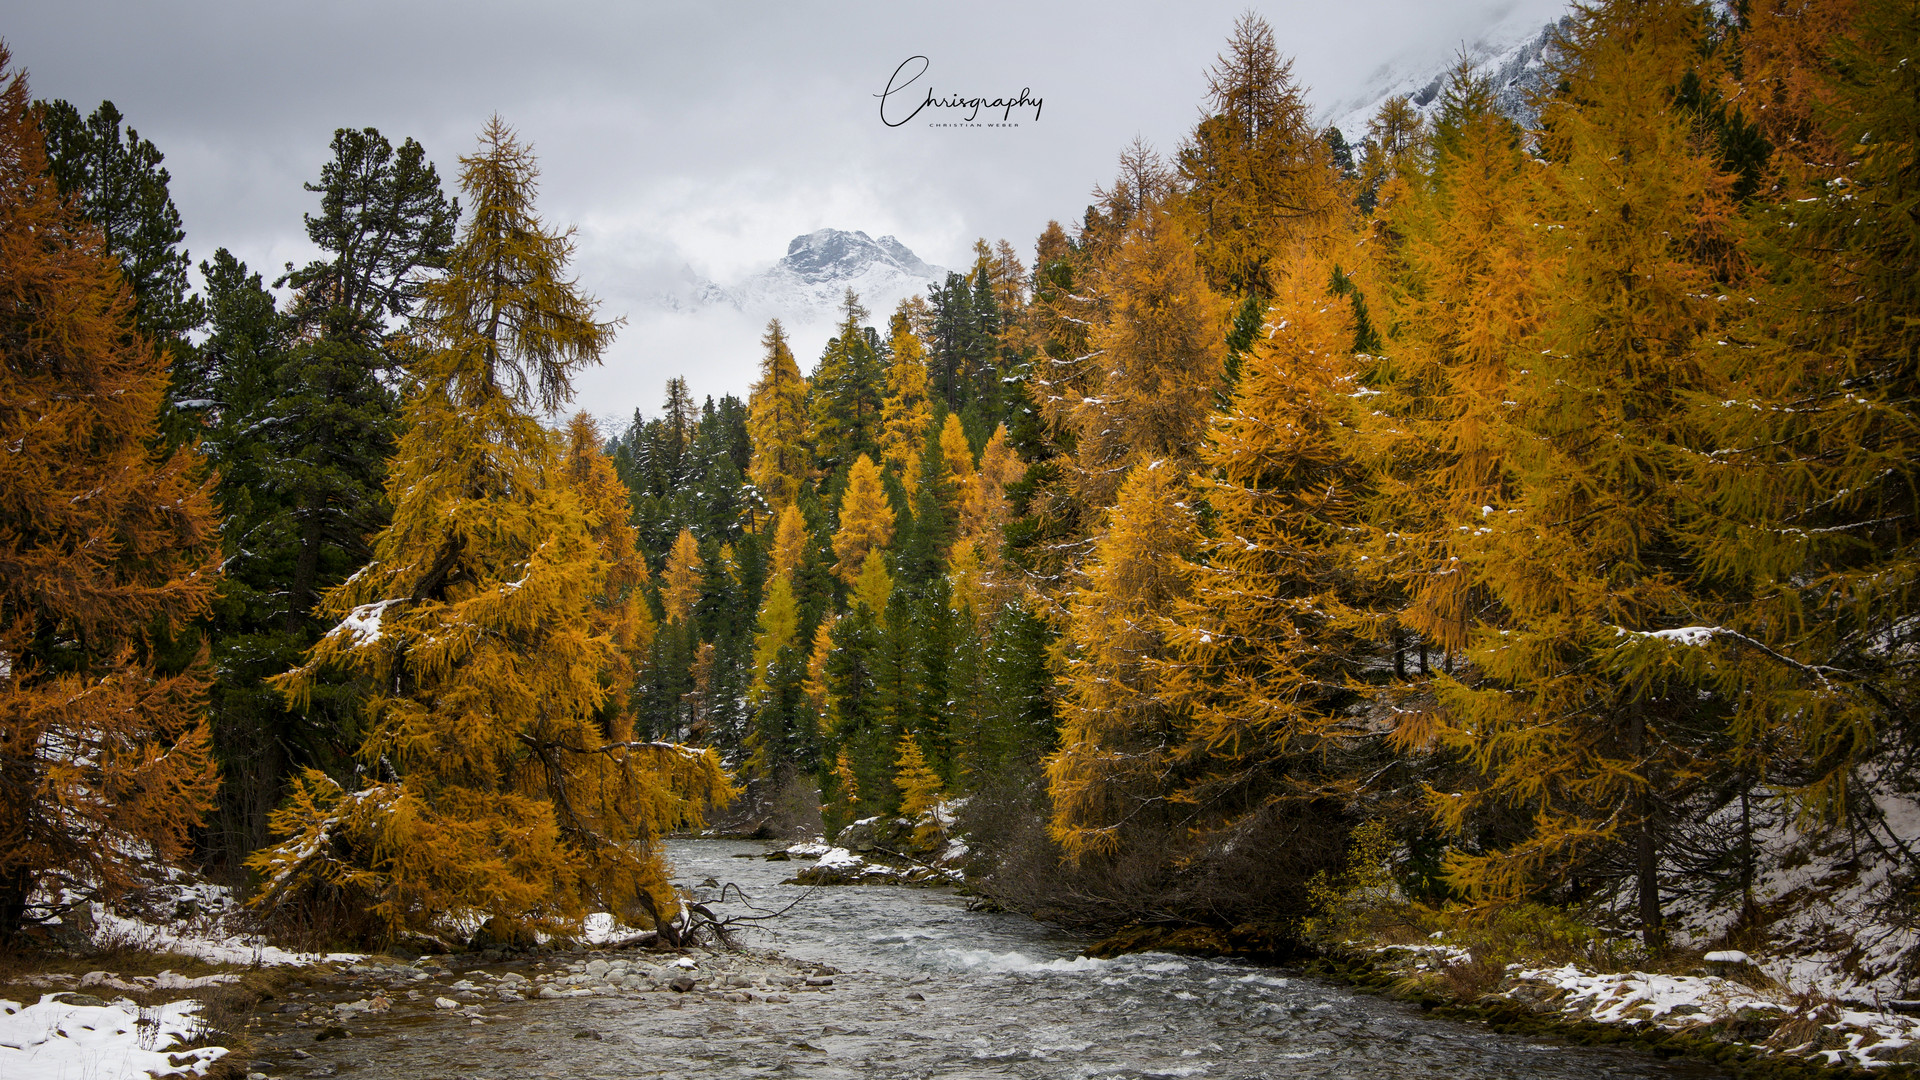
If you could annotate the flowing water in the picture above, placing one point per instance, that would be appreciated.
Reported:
(926, 988)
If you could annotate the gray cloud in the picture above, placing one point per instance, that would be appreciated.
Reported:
(694, 137)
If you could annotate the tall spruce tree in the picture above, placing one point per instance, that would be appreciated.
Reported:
(116, 178)
(305, 418)
(384, 224)
(847, 392)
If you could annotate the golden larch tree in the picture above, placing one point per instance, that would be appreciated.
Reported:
(874, 585)
(906, 411)
(1584, 711)
(920, 787)
(1259, 178)
(1810, 513)
(109, 552)
(1459, 273)
(779, 623)
(976, 565)
(620, 611)
(1117, 727)
(789, 543)
(1266, 647)
(866, 520)
(1160, 355)
(962, 479)
(681, 580)
(490, 790)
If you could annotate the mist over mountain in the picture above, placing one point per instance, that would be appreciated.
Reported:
(691, 313)
(1514, 56)
(805, 286)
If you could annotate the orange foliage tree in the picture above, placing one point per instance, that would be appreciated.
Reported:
(496, 788)
(108, 550)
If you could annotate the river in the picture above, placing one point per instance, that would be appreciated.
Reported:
(926, 988)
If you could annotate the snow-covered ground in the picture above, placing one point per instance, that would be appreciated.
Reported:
(1833, 948)
(1839, 916)
(1727, 1007)
(1839, 1035)
(211, 939)
(69, 1037)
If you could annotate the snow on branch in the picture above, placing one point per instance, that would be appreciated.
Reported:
(363, 622)
(1681, 635)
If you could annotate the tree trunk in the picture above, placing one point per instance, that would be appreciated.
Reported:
(1647, 852)
(302, 596)
(1747, 912)
(15, 886)
(1648, 860)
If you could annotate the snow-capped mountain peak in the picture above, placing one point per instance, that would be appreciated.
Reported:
(833, 255)
(1515, 58)
(807, 285)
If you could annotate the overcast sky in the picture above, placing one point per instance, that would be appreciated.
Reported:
(692, 137)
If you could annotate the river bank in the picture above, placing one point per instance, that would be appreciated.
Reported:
(877, 981)
(1750, 1031)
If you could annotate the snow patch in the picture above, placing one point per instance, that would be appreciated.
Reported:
(363, 622)
(841, 858)
(54, 1040)
(210, 941)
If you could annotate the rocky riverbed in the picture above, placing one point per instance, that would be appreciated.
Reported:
(330, 1020)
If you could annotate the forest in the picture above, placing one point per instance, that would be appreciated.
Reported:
(1535, 504)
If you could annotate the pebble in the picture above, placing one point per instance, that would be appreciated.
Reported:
(449, 1003)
